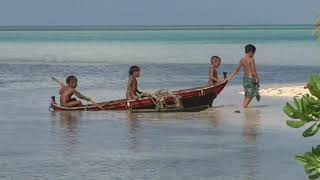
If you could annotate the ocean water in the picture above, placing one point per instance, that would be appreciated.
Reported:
(285, 45)
(213, 144)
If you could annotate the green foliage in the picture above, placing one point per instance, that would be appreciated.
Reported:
(311, 162)
(306, 109)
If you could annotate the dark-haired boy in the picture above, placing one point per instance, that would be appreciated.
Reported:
(213, 74)
(250, 76)
(132, 87)
(67, 91)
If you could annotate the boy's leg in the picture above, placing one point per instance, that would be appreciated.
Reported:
(75, 103)
(246, 101)
(143, 94)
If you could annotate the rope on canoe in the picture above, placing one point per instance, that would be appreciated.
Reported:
(160, 97)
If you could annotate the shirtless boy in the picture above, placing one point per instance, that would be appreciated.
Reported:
(132, 88)
(250, 76)
(213, 74)
(67, 91)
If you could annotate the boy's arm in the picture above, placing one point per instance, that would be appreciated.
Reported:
(136, 88)
(213, 74)
(79, 95)
(235, 70)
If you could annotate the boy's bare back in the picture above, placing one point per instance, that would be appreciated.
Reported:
(65, 95)
(249, 66)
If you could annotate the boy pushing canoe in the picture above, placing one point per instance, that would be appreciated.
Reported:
(250, 76)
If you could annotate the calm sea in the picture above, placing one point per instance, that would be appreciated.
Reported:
(213, 144)
(285, 45)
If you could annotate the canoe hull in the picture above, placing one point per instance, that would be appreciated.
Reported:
(190, 98)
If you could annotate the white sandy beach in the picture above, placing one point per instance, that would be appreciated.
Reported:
(290, 91)
(286, 91)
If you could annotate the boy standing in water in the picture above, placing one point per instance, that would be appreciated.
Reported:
(132, 88)
(213, 74)
(250, 76)
(66, 93)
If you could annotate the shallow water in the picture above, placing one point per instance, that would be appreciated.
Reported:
(212, 144)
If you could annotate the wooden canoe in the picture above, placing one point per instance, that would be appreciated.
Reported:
(194, 98)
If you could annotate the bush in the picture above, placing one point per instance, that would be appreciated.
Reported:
(306, 110)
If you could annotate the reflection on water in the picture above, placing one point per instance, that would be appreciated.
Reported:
(250, 127)
(69, 123)
(212, 144)
(251, 123)
(249, 120)
(133, 128)
(214, 118)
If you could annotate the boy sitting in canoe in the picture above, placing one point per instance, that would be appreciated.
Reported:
(250, 77)
(66, 93)
(132, 88)
(213, 74)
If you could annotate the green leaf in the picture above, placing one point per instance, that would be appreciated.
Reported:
(317, 81)
(295, 114)
(313, 87)
(311, 130)
(291, 111)
(313, 150)
(306, 117)
(316, 150)
(314, 91)
(311, 100)
(309, 169)
(308, 156)
(295, 124)
(300, 160)
(311, 162)
(297, 103)
(316, 113)
(314, 176)
(305, 105)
